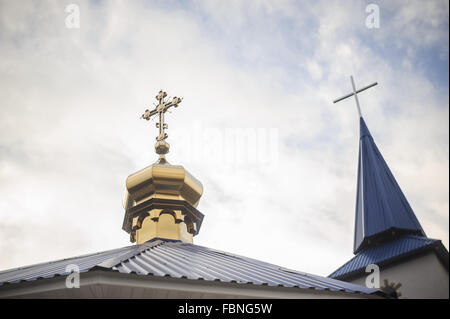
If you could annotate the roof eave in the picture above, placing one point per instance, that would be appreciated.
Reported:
(437, 247)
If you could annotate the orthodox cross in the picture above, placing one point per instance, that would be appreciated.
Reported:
(355, 92)
(163, 105)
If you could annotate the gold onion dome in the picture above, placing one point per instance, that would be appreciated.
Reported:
(161, 199)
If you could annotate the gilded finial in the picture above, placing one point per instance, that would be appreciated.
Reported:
(161, 146)
(161, 199)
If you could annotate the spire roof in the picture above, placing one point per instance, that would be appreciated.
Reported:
(389, 253)
(382, 211)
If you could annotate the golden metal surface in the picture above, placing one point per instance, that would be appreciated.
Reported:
(163, 181)
(161, 146)
(162, 224)
(160, 199)
(136, 214)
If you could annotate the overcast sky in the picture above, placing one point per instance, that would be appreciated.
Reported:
(257, 126)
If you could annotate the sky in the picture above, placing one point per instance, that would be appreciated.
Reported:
(257, 126)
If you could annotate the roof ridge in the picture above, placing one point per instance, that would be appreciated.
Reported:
(114, 261)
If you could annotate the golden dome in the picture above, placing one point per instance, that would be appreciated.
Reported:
(161, 199)
(160, 202)
(162, 180)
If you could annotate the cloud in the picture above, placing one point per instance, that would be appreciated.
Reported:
(70, 132)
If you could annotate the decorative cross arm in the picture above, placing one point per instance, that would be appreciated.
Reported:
(355, 93)
(163, 105)
(358, 91)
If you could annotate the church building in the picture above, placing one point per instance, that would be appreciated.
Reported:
(388, 234)
(162, 219)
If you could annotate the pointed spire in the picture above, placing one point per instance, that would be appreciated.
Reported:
(363, 130)
(382, 211)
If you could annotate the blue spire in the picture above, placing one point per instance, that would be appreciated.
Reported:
(382, 211)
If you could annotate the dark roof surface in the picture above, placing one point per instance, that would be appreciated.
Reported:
(180, 260)
(388, 252)
(380, 204)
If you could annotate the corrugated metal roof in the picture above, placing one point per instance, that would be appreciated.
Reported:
(181, 260)
(380, 203)
(54, 268)
(388, 251)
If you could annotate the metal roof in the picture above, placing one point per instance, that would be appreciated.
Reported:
(389, 251)
(181, 260)
(381, 206)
